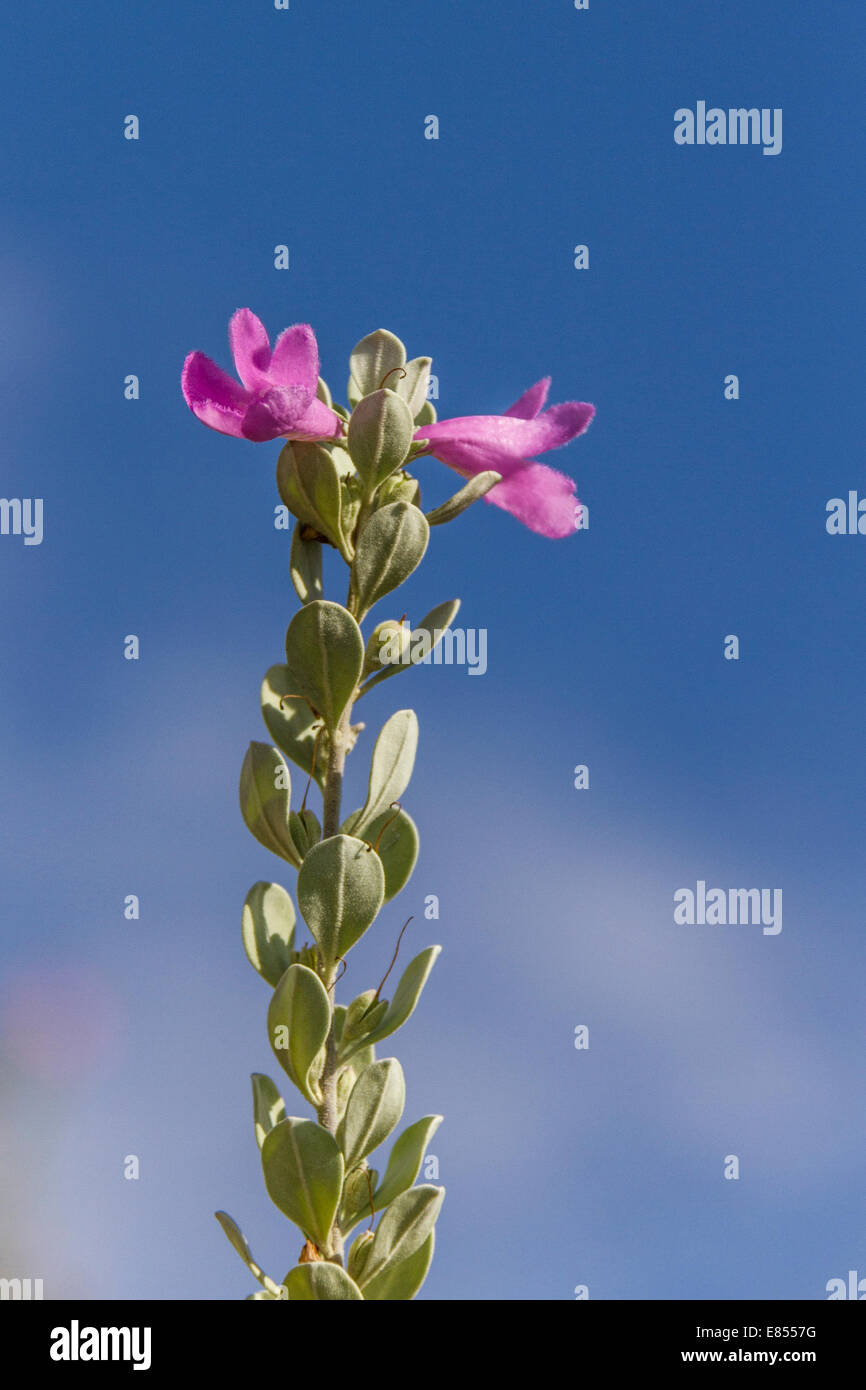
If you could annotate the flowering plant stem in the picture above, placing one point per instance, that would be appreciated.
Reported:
(344, 477)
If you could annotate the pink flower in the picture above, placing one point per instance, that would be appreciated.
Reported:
(278, 396)
(541, 498)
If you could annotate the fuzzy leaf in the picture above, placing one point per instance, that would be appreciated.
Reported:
(372, 359)
(305, 566)
(390, 770)
(292, 725)
(309, 485)
(299, 1019)
(303, 1170)
(390, 547)
(400, 1282)
(403, 1229)
(238, 1240)
(318, 1281)
(380, 433)
(474, 489)
(268, 1106)
(423, 639)
(373, 1109)
(268, 930)
(404, 1163)
(341, 886)
(265, 795)
(325, 656)
(406, 996)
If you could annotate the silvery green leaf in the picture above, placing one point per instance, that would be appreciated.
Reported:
(474, 489)
(397, 844)
(341, 886)
(358, 1253)
(362, 1016)
(268, 930)
(406, 996)
(380, 432)
(299, 1019)
(389, 548)
(305, 830)
(305, 565)
(238, 1240)
(400, 487)
(303, 1169)
(292, 725)
(413, 386)
(323, 393)
(400, 1282)
(426, 415)
(373, 1110)
(262, 1296)
(403, 1229)
(309, 485)
(268, 1106)
(355, 1205)
(372, 359)
(422, 641)
(325, 657)
(390, 769)
(320, 1280)
(265, 792)
(404, 1163)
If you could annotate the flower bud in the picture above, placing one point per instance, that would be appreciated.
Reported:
(359, 1254)
(386, 646)
(362, 1015)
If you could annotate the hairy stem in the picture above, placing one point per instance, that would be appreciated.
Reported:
(332, 797)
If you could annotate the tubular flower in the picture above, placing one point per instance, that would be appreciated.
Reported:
(540, 497)
(278, 395)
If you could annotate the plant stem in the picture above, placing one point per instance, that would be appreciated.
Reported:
(332, 797)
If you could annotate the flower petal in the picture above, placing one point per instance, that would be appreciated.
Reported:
(275, 412)
(531, 401)
(540, 497)
(318, 422)
(295, 360)
(251, 348)
(213, 395)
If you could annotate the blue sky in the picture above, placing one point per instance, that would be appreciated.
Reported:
(707, 517)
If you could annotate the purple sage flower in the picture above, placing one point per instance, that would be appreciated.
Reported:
(278, 395)
(540, 497)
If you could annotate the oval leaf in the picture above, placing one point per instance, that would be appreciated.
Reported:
(341, 887)
(403, 1229)
(373, 1109)
(325, 656)
(305, 566)
(375, 356)
(292, 725)
(390, 769)
(309, 484)
(397, 844)
(320, 1280)
(268, 930)
(474, 489)
(401, 1282)
(265, 795)
(406, 996)
(238, 1240)
(299, 1020)
(380, 433)
(422, 640)
(303, 1170)
(389, 548)
(268, 1106)
(404, 1163)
